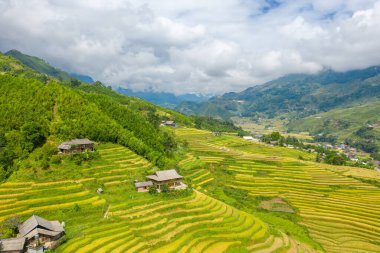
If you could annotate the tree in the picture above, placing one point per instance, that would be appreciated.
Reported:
(33, 135)
(3, 174)
(275, 136)
(74, 83)
(165, 188)
(3, 140)
(152, 189)
(9, 227)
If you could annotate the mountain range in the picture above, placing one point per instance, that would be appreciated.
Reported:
(165, 99)
(41, 66)
(296, 95)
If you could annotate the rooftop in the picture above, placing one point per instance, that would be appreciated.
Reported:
(165, 175)
(68, 144)
(143, 184)
(12, 244)
(35, 221)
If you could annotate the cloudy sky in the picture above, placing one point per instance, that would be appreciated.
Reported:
(193, 45)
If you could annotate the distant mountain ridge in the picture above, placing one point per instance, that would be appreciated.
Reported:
(298, 95)
(41, 66)
(165, 99)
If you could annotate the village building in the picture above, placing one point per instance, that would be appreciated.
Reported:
(13, 245)
(143, 186)
(76, 146)
(38, 231)
(170, 178)
(100, 191)
(250, 138)
(170, 123)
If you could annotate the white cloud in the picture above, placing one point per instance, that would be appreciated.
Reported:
(193, 45)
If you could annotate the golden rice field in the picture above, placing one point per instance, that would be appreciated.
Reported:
(340, 211)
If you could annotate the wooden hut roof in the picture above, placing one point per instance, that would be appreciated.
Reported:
(68, 144)
(12, 244)
(165, 175)
(143, 184)
(41, 231)
(38, 222)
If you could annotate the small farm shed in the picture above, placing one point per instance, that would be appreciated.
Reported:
(13, 245)
(171, 178)
(47, 232)
(143, 186)
(76, 146)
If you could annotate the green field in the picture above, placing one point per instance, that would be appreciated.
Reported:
(230, 177)
(342, 122)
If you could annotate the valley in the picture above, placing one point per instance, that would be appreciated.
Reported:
(331, 208)
(243, 196)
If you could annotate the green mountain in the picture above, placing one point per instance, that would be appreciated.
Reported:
(297, 95)
(164, 99)
(359, 125)
(40, 110)
(38, 65)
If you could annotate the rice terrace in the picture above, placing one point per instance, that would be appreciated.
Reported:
(322, 208)
(146, 126)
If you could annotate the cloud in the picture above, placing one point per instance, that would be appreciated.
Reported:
(193, 46)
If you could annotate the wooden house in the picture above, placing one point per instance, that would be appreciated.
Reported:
(13, 245)
(38, 231)
(143, 186)
(171, 178)
(76, 146)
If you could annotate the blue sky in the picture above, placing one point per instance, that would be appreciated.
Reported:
(194, 45)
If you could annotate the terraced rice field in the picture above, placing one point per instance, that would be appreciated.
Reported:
(196, 223)
(341, 213)
(26, 198)
(122, 220)
(29, 198)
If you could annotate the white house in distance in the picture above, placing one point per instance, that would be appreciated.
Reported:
(250, 138)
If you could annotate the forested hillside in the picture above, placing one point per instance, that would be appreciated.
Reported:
(38, 65)
(39, 110)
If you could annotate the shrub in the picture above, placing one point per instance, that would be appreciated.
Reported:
(9, 227)
(152, 189)
(165, 188)
(56, 159)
